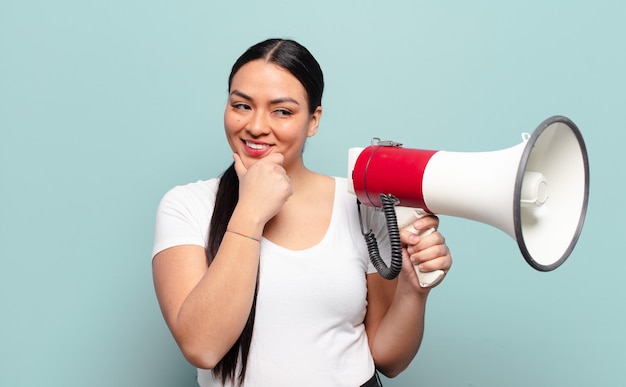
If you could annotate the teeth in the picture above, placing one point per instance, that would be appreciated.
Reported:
(256, 146)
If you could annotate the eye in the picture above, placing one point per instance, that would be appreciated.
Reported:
(283, 112)
(241, 106)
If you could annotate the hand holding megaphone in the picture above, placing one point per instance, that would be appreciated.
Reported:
(406, 217)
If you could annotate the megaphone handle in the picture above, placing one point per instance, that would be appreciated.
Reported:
(431, 278)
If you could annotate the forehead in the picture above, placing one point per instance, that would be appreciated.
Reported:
(259, 76)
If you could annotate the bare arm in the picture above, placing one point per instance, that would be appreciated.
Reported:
(206, 308)
(396, 309)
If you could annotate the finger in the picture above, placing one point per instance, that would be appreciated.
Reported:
(430, 253)
(408, 237)
(240, 169)
(424, 242)
(431, 242)
(277, 158)
(426, 222)
(440, 263)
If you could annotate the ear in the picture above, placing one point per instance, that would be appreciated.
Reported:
(314, 121)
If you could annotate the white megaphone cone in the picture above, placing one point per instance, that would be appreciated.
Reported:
(536, 192)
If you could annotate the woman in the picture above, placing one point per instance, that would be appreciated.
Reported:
(263, 275)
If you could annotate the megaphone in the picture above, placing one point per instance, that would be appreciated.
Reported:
(536, 192)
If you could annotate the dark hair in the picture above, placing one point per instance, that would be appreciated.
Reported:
(296, 59)
(292, 56)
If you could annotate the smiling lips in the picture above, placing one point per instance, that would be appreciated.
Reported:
(256, 149)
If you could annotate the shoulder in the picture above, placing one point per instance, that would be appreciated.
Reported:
(184, 214)
(190, 201)
(341, 186)
(342, 195)
(200, 193)
(341, 182)
(198, 188)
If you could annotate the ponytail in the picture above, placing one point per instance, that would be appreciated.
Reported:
(225, 202)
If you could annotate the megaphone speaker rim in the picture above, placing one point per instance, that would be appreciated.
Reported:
(517, 205)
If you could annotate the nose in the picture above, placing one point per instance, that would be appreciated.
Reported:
(259, 124)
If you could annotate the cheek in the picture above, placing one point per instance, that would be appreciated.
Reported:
(232, 122)
(230, 128)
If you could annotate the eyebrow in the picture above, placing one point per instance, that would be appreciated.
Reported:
(273, 102)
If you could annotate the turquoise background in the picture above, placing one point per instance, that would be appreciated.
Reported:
(104, 105)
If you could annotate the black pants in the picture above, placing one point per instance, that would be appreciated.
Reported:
(373, 382)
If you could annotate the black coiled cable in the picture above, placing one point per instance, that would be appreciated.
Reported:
(387, 272)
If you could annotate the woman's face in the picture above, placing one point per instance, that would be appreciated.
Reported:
(268, 112)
